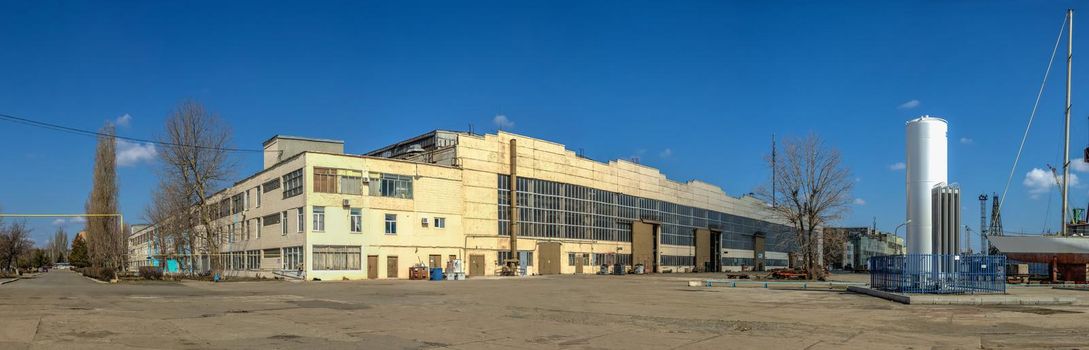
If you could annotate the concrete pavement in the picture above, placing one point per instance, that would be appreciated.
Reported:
(61, 310)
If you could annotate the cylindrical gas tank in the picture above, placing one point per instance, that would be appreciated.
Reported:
(927, 166)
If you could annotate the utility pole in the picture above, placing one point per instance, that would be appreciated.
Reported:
(1066, 128)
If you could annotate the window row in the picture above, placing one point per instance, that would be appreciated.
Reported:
(553, 209)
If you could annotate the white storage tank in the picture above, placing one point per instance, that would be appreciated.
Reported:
(927, 166)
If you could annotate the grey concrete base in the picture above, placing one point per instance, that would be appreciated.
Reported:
(937, 299)
(1084, 289)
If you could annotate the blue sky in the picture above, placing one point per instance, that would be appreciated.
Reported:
(695, 88)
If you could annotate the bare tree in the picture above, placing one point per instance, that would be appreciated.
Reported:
(197, 164)
(170, 211)
(14, 243)
(58, 246)
(106, 240)
(812, 188)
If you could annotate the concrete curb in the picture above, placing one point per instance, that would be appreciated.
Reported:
(929, 299)
(1083, 289)
(9, 281)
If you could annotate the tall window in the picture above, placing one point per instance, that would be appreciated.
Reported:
(283, 222)
(356, 222)
(293, 185)
(258, 190)
(319, 219)
(258, 228)
(440, 222)
(391, 224)
(300, 227)
(390, 185)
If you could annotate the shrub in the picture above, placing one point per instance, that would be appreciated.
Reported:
(151, 273)
(98, 273)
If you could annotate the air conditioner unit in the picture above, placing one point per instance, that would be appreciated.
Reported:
(423, 222)
(346, 204)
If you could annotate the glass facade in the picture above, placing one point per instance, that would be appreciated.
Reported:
(559, 210)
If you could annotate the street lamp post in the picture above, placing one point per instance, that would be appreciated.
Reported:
(895, 232)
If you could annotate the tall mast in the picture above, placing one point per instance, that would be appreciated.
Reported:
(1066, 129)
(774, 169)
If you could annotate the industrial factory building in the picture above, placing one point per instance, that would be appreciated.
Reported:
(315, 212)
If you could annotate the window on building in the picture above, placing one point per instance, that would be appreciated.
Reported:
(325, 180)
(329, 180)
(270, 185)
(390, 185)
(351, 181)
(293, 258)
(440, 222)
(246, 199)
(283, 222)
(258, 191)
(319, 219)
(293, 184)
(253, 259)
(391, 224)
(271, 253)
(257, 228)
(336, 257)
(237, 203)
(356, 220)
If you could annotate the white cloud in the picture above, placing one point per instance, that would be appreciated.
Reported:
(123, 120)
(1079, 165)
(502, 122)
(666, 153)
(78, 220)
(59, 222)
(860, 201)
(966, 140)
(1039, 181)
(909, 104)
(897, 166)
(130, 153)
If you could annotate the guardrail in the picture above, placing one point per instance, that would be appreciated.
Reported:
(938, 273)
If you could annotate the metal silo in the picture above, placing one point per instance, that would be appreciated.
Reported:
(927, 166)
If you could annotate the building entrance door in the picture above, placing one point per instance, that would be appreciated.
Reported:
(548, 258)
(578, 263)
(758, 251)
(644, 245)
(391, 267)
(703, 250)
(372, 267)
(476, 265)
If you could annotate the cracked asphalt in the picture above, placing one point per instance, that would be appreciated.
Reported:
(62, 310)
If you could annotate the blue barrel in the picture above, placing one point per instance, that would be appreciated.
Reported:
(436, 274)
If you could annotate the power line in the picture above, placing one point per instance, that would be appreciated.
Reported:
(77, 131)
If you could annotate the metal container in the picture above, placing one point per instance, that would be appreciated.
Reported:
(927, 166)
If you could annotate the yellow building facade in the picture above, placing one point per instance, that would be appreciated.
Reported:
(314, 212)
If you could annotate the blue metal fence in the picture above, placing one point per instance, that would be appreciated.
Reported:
(939, 274)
